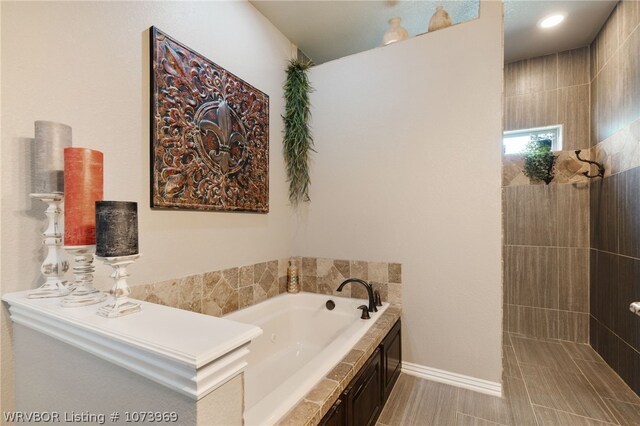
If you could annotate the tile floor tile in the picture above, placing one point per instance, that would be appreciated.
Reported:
(464, 420)
(486, 407)
(543, 353)
(551, 417)
(416, 401)
(606, 382)
(516, 395)
(544, 382)
(625, 413)
(564, 391)
(581, 351)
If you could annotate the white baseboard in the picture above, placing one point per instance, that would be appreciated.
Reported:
(454, 379)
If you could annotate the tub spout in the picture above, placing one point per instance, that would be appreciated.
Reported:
(372, 302)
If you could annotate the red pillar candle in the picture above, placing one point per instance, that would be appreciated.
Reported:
(83, 174)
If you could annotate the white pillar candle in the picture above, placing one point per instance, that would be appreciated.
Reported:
(50, 142)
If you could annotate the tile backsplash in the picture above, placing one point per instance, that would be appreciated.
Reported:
(220, 292)
(323, 276)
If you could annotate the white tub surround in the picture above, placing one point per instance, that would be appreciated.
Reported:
(188, 353)
(302, 342)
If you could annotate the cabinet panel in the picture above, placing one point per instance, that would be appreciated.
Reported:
(336, 415)
(364, 397)
(392, 358)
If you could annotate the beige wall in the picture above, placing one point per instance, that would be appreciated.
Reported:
(408, 170)
(87, 64)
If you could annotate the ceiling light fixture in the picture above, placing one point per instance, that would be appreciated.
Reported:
(551, 20)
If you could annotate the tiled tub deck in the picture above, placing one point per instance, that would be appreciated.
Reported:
(312, 408)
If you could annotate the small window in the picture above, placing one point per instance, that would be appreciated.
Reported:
(515, 141)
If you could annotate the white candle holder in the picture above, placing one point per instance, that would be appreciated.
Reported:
(83, 292)
(55, 265)
(121, 305)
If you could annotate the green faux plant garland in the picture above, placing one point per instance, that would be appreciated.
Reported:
(297, 134)
(539, 160)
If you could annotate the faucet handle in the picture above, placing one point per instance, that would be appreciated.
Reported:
(377, 298)
(365, 312)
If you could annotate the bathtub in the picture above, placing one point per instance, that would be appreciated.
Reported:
(301, 343)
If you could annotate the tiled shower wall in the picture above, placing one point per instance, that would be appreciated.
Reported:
(615, 200)
(548, 90)
(220, 292)
(546, 227)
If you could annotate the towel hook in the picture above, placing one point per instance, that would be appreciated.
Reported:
(600, 166)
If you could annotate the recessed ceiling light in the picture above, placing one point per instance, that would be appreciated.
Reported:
(551, 20)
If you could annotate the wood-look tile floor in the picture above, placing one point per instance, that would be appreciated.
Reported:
(545, 382)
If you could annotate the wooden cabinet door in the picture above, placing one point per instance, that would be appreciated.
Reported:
(392, 358)
(362, 401)
(364, 395)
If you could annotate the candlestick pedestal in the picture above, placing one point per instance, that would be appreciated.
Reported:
(55, 265)
(83, 292)
(120, 290)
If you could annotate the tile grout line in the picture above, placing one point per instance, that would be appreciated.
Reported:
(589, 239)
(589, 119)
(558, 263)
(549, 340)
(550, 309)
(577, 415)
(591, 347)
(514, 355)
(510, 341)
(456, 403)
(598, 71)
(526, 389)
(615, 254)
(532, 92)
(592, 386)
(624, 402)
(538, 246)
(557, 57)
(620, 44)
(598, 36)
(552, 184)
(475, 417)
(612, 332)
(603, 397)
(547, 309)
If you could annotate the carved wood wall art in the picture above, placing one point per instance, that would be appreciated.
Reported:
(209, 134)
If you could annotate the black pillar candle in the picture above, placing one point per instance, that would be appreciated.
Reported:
(116, 228)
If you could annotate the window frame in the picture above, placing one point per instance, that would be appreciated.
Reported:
(555, 146)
